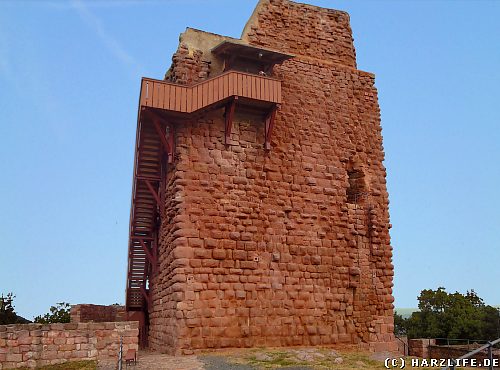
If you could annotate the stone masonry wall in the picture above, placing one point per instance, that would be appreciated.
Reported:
(291, 246)
(454, 352)
(420, 347)
(166, 286)
(187, 66)
(97, 313)
(427, 348)
(301, 29)
(32, 345)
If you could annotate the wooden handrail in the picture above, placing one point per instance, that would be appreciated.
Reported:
(488, 346)
(188, 99)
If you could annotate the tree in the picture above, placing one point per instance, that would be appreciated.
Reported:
(452, 315)
(7, 312)
(400, 325)
(58, 314)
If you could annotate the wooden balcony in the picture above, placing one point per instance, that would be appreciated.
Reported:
(189, 99)
(159, 102)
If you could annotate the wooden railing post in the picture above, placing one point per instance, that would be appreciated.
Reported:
(490, 355)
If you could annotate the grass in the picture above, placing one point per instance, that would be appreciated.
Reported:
(71, 365)
(322, 358)
(265, 358)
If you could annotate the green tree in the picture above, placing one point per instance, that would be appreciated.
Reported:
(400, 325)
(453, 315)
(58, 314)
(492, 322)
(7, 312)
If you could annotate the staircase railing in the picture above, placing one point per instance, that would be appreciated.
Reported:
(120, 354)
(459, 361)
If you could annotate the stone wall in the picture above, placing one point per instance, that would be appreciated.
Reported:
(32, 345)
(427, 348)
(402, 343)
(286, 247)
(301, 29)
(420, 347)
(97, 313)
(453, 352)
(187, 66)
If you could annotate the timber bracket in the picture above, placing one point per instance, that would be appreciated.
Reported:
(269, 125)
(146, 295)
(228, 119)
(151, 254)
(165, 131)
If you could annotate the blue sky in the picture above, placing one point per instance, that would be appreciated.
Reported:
(69, 84)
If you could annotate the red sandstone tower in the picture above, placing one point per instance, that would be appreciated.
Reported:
(259, 209)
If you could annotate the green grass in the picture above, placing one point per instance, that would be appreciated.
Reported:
(72, 365)
(278, 358)
(267, 358)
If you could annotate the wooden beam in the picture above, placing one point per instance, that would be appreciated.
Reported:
(228, 121)
(151, 258)
(138, 237)
(167, 143)
(153, 192)
(228, 62)
(161, 134)
(269, 126)
(148, 178)
(145, 294)
(171, 143)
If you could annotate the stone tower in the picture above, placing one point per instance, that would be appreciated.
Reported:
(268, 222)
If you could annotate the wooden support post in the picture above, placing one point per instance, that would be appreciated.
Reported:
(166, 143)
(153, 192)
(150, 256)
(154, 247)
(228, 121)
(171, 143)
(228, 62)
(269, 126)
(146, 296)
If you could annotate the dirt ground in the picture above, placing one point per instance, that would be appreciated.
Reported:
(259, 358)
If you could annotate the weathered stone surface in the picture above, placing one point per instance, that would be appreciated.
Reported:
(97, 313)
(40, 345)
(289, 246)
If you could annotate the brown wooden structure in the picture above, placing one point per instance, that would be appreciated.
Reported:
(162, 106)
(189, 99)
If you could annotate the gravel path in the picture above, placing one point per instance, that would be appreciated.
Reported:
(156, 361)
(148, 360)
(221, 363)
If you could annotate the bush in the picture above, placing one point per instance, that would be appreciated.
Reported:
(58, 314)
(451, 315)
(7, 314)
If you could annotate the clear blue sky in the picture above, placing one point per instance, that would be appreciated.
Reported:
(69, 84)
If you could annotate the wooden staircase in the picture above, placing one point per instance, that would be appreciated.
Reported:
(160, 103)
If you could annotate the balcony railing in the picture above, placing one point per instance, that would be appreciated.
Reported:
(188, 99)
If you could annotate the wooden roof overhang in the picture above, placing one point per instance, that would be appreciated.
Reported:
(162, 106)
(230, 50)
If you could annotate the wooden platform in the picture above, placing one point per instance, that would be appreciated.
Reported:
(160, 104)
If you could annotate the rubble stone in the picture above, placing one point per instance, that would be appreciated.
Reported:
(291, 246)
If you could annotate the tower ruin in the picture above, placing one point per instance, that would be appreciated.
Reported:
(259, 207)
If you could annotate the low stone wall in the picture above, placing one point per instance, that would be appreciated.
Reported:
(458, 351)
(97, 313)
(427, 348)
(32, 345)
(402, 345)
(420, 347)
